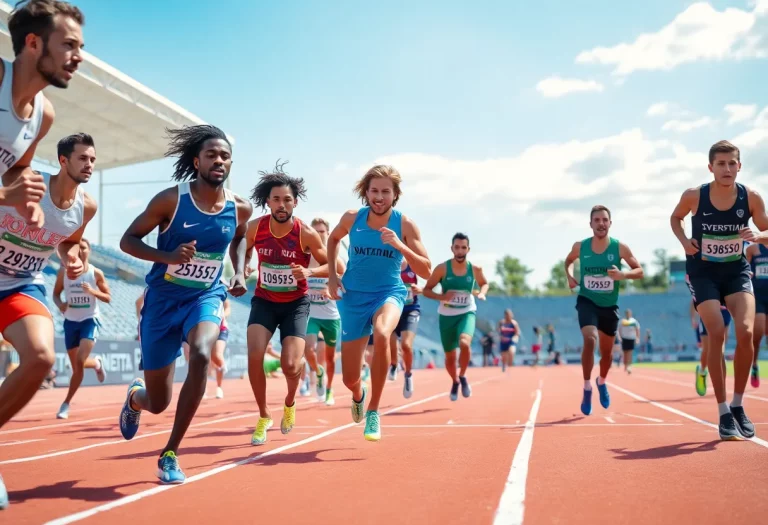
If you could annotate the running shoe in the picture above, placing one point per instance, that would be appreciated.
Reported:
(454, 391)
(727, 428)
(586, 402)
(701, 381)
(101, 374)
(408, 385)
(358, 407)
(372, 426)
(289, 418)
(259, 436)
(329, 400)
(605, 398)
(63, 411)
(129, 418)
(320, 382)
(743, 424)
(392, 376)
(466, 390)
(755, 379)
(168, 470)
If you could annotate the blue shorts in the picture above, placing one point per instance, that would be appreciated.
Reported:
(726, 320)
(223, 335)
(358, 308)
(165, 323)
(75, 331)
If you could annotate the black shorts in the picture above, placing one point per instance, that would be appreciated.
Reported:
(718, 287)
(605, 318)
(291, 318)
(627, 345)
(409, 322)
(761, 301)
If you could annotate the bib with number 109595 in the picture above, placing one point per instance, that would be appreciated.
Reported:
(721, 248)
(277, 277)
(200, 272)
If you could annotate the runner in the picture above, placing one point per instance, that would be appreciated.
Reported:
(509, 335)
(457, 308)
(629, 333)
(324, 321)
(757, 256)
(47, 40)
(703, 338)
(184, 299)
(597, 303)
(719, 273)
(536, 347)
(405, 331)
(284, 245)
(81, 320)
(374, 293)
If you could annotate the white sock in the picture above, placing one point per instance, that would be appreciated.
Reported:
(723, 408)
(587, 384)
(98, 364)
(736, 400)
(601, 381)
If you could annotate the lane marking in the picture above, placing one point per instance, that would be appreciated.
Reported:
(655, 420)
(55, 425)
(71, 518)
(512, 503)
(11, 443)
(542, 425)
(680, 383)
(662, 406)
(609, 420)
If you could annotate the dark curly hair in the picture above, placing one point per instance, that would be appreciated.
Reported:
(277, 178)
(186, 143)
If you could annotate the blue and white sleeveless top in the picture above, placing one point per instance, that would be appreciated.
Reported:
(373, 266)
(213, 233)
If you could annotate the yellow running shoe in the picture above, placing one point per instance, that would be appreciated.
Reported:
(701, 381)
(259, 436)
(289, 418)
(329, 400)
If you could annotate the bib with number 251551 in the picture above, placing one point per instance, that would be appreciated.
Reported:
(277, 277)
(200, 272)
(598, 283)
(721, 248)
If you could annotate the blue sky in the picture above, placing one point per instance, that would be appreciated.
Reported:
(507, 120)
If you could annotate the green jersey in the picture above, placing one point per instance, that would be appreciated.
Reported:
(595, 284)
(463, 301)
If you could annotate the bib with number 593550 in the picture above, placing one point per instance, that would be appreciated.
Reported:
(721, 248)
(201, 272)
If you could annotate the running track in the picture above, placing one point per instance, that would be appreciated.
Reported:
(519, 449)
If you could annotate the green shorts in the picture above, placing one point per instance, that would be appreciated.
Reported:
(330, 328)
(452, 326)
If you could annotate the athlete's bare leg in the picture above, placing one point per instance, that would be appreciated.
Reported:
(742, 308)
(80, 360)
(384, 322)
(712, 317)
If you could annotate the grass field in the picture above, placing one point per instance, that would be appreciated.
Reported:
(690, 366)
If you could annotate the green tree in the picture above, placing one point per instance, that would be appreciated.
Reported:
(513, 275)
(558, 282)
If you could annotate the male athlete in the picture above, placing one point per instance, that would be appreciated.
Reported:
(456, 312)
(47, 39)
(703, 338)
(757, 256)
(373, 291)
(718, 273)
(324, 320)
(284, 245)
(184, 298)
(405, 330)
(598, 301)
(509, 335)
(629, 333)
(81, 320)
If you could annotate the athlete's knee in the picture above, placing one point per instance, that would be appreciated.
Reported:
(292, 367)
(199, 359)
(350, 379)
(38, 359)
(158, 404)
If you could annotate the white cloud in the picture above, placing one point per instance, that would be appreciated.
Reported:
(658, 110)
(698, 33)
(740, 112)
(554, 87)
(684, 126)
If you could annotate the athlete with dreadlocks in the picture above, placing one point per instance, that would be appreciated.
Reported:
(284, 245)
(184, 297)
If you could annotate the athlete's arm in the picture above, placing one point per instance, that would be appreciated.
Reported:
(102, 293)
(69, 250)
(139, 305)
(694, 316)
(481, 280)
(250, 239)
(635, 272)
(339, 232)
(757, 210)
(58, 287)
(413, 250)
(238, 246)
(750, 252)
(689, 203)
(516, 338)
(437, 274)
(159, 212)
(315, 245)
(569, 260)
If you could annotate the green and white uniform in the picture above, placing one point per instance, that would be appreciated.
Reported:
(597, 303)
(457, 316)
(323, 313)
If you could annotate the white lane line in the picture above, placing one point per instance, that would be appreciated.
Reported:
(662, 406)
(655, 420)
(681, 383)
(11, 443)
(56, 425)
(512, 504)
(208, 473)
(609, 420)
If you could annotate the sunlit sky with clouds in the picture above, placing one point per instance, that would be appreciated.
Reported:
(507, 120)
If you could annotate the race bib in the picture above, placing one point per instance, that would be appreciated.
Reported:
(409, 297)
(459, 300)
(80, 300)
(200, 272)
(761, 271)
(721, 248)
(317, 286)
(598, 283)
(276, 277)
(21, 258)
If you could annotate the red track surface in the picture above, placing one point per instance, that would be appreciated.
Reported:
(438, 461)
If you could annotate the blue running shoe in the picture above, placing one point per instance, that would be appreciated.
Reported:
(454, 391)
(605, 399)
(129, 418)
(586, 403)
(3, 495)
(168, 470)
(466, 390)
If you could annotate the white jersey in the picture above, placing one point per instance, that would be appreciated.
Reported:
(25, 250)
(320, 307)
(16, 134)
(80, 304)
(628, 328)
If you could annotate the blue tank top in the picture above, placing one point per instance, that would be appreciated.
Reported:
(213, 233)
(373, 266)
(759, 267)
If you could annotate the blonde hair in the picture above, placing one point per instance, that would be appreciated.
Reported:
(379, 172)
(319, 220)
